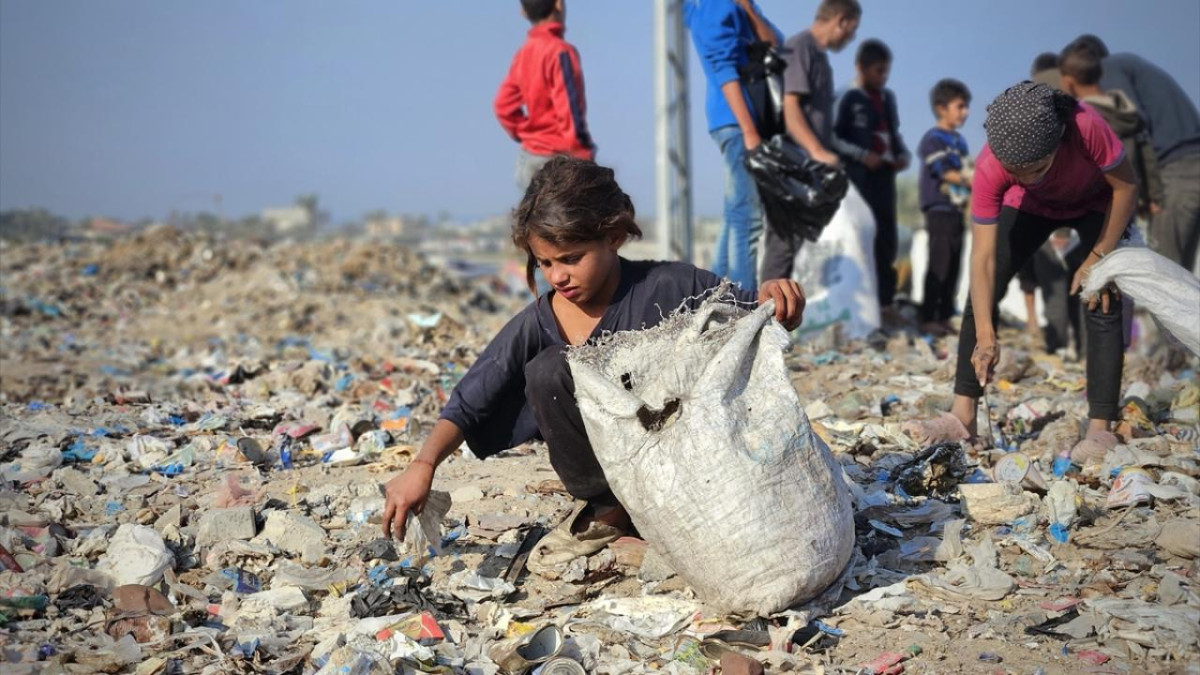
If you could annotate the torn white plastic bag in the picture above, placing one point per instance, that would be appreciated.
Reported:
(703, 439)
(1166, 290)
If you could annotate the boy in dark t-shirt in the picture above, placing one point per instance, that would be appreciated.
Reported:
(945, 189)
(867, 121)
(808, 107)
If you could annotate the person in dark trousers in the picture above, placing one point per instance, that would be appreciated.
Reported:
(722, 30)
(570, 225)
(944, 184)
(1174, 125)
(1049, 163)
(541, 103)
(867, 121)
(808, 108)
(1050, 270)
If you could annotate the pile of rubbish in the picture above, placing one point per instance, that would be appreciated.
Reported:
(194, 434)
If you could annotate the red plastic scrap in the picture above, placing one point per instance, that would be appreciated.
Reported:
(1093, 657)
(1060, 605)
(422, 628)
(296, 430)
(8, 562)
(887, 663)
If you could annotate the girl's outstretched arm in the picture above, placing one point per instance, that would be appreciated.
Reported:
(1120, 212)
(983, 285)
(407, 492)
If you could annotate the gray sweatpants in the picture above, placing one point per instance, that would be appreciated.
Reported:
(528, 164)
(1175, 233)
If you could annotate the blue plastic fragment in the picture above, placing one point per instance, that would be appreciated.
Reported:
(1024, 524)
(78, 452)
(825, 628)
(318, 355)
(1059, 533)
(1062, 465)
(169, 470)
(826, 358)
(453, 535)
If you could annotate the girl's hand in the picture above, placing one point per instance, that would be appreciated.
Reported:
(1105, 297)
(789, 301)
(404, 494)
(984, 359)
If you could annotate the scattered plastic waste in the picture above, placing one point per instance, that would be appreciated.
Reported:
(160, 383)
(136, 554)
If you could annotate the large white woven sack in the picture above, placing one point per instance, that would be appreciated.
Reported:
(703, 439)
(1170, 292)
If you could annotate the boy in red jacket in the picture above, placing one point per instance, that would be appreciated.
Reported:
(541, 102)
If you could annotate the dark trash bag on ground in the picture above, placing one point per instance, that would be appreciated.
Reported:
(799, 194)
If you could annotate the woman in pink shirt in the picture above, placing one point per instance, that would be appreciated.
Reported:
(1050, 162)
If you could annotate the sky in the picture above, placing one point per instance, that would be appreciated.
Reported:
(136, 108)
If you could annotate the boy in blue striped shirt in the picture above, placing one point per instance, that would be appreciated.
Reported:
(945, 189)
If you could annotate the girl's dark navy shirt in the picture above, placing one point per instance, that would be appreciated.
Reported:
(489, 405)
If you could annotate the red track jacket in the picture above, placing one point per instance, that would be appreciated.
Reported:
(541, 102)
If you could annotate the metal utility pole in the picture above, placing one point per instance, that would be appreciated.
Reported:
(673, 165)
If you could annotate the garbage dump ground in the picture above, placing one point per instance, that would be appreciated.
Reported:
(194, 432)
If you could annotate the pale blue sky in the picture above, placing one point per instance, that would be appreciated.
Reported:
(133, 108)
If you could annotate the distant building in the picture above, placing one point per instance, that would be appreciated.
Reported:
(390, 227)
(106, 227)
(287, 218)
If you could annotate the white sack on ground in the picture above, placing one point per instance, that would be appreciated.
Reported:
(1166, 290)
(703, 439)
(837, 272)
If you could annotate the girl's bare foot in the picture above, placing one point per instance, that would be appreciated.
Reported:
(945, 428)
(1092, 449)
(605, 510)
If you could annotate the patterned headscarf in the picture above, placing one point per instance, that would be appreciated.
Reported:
(1025, 123)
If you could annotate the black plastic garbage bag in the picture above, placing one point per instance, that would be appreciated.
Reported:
(799, 194)
(762, 80)
(80, 596)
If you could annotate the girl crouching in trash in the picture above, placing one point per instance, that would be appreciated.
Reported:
(1050, 162)
(571, 223)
